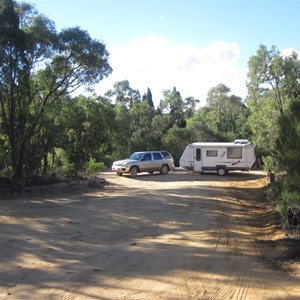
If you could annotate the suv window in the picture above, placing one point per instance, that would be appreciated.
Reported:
(157, 156)
(136, 156)
(166, 154)
(147, 157)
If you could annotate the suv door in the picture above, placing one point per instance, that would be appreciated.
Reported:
(157, 161)
(146, 163)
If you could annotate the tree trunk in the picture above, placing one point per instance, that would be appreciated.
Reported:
(45, 167)
(18, 177)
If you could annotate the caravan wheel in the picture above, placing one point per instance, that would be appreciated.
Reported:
(221, 171)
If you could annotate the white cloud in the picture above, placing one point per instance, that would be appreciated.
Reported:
(288, 51)
(155, 62)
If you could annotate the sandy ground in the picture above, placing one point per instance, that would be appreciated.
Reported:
(179, 236)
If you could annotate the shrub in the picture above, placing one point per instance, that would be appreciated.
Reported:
(285, 196)
(93, 167)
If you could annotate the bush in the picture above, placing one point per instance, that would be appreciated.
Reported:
(93, 167)
(285, 196)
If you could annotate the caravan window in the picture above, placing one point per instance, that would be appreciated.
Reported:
(211, 153)
(234, 152)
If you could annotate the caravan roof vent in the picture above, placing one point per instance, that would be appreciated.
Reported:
(241, 141)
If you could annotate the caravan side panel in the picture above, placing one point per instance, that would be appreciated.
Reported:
(216, 156)
(187, 160)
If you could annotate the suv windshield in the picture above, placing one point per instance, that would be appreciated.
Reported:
(136, 156)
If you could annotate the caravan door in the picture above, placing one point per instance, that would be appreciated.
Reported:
(197, 159)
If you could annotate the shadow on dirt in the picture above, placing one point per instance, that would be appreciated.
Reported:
(89, 235)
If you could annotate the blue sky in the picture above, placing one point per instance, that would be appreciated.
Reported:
(192, 45)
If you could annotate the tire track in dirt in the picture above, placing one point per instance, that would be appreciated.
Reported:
(172, 237)
(148, 283)
(234, 287)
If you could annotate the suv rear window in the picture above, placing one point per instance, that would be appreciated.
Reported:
(166, 154)
(157, 156)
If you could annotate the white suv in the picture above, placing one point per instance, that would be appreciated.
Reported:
(146, 161)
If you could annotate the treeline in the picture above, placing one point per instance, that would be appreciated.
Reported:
(45, 132)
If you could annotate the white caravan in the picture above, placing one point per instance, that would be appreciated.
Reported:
(220, 157)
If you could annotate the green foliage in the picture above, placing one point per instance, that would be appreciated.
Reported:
(62, 167)
(6, 173)
(122, 93)
(270, 164)
(45, 66)
(203, 126)
(273, 90)
(223, 119)
(264, 124)
(288, 142)
(93, 167)
(174, 106)
(44, 129)
(122, 132)
(284, 195)
(175, 141)
(148, 98)
(87, 123)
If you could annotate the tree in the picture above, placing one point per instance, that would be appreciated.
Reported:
(273, 85)
(87, 123)
(175, 141)
(288, 143)
(141, 115)
(123, 93)
(38, 67)
(225, 116)
(189, 105)
(174, 106)
(121, 142)
(203, 126)
(148, 98)
(159, 128)
(217, 96)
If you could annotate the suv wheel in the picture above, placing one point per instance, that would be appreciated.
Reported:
(133, 172)
(164, 170)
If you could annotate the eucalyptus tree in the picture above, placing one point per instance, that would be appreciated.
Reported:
(288, 143)
(122, 93)
(172, 104)
(159, 128)
(38, 67)
(217, 96)
(273, 85)
(190, 104)
(226, 114)
(276, 74)
(141, 116)
(87, 125)
(203, 126)
(121, 141)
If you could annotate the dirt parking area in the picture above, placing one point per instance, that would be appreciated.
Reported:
(177, 236)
